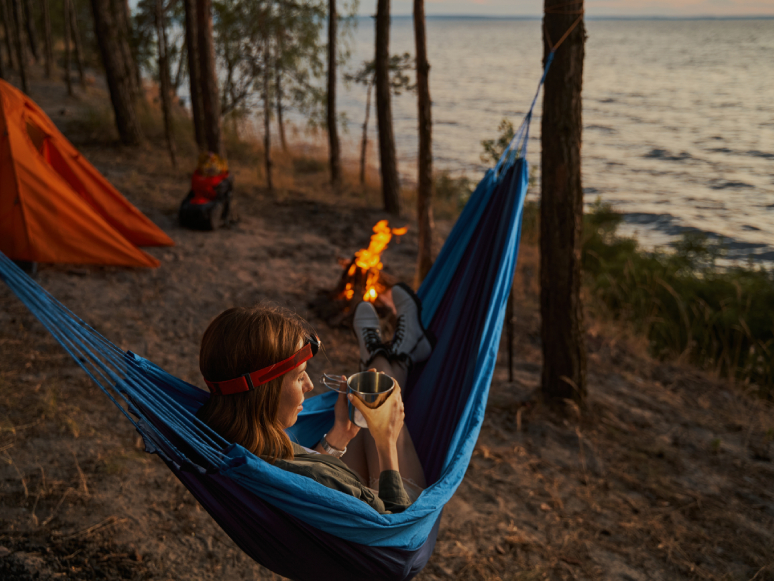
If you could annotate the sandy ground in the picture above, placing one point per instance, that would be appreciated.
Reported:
(668, 475)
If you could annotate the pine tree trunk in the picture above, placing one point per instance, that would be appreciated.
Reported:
(388, 162)
(334, 148)
(119, 76)
(18, 40)
(165, 85)
(130, 54)
(280, 121)
(77, 43)
(8, 30)
(32, 37)
(66, 20)
(194, 74)
(267, 116)
(121, 19)
(561, 212)
(209, 80)
(48, 42)
(364, 140)
(425, 169)
(180, 67)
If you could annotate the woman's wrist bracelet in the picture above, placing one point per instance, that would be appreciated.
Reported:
(330, 450)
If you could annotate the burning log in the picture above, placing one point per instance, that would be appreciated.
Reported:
(362, 279)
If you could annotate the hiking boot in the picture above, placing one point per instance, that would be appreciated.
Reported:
(411, 343)
(368, 333)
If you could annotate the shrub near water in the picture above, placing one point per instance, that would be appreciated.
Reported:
(721, 319)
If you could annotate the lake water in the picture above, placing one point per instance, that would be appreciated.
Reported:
(678, 115)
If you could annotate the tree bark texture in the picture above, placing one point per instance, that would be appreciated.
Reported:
(18, 41)
(364, 140)
(425, 166)
(66, 20)
(29, 21)
(130, 53)
(165, 84)
(278, 65)
(280, 120)
(180, 67)
(387, 159)
(119, 76)
(194, 74)
(48, 43)
(77, 44)
(267, 115)
(8, 30)
(334, 148)
(561, 211)
(209, 79)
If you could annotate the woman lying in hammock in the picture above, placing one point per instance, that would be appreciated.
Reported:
(253, 408)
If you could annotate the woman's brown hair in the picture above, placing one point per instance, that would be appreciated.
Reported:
(242, 340)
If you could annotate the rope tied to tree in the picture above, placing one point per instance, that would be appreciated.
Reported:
(565, 8)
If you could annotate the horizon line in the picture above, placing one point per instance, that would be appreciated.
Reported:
(594, 17)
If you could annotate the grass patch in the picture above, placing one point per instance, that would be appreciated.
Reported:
(450, 193)
(720, 319)
(309, 165)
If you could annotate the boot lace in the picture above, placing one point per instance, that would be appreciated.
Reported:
(371, 338)
(400, 331)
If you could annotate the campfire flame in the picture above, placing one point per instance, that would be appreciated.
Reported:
(369, 260)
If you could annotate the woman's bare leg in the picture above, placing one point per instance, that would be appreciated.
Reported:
(408, 461)
(356, 458)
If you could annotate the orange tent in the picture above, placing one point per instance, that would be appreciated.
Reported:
(54, 205)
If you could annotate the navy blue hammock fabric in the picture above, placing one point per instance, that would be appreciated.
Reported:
(289, 523)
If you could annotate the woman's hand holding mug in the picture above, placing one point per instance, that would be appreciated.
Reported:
(385, 424)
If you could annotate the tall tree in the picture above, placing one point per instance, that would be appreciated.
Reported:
(425, 166)
(107, 24)
(561, 207)
(18, 40)
(194, 74)
(165, 85)
(278, 90)
(66, 20)
(48, 42)
(364, 138)
(334, 149)
(128, 46)
(181, 68)
(8, 30)
(78, 45)
(2, 67)
(399, 82)
(29, 21)
(388, 161)
(267, 68)
(209, 80)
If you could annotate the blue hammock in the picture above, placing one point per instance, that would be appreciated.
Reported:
(289, 523)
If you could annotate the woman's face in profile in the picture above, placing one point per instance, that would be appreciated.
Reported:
(295, 383)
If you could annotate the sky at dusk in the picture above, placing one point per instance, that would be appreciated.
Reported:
(674, 8)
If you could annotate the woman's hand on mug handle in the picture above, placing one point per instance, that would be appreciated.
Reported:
(343, 430)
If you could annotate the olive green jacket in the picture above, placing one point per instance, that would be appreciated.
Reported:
(333, 473)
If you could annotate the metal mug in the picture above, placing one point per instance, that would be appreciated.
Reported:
(372, 387)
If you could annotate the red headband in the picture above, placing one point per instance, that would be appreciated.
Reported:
(252, 380)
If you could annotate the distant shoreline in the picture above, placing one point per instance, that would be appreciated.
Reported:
(588, 18)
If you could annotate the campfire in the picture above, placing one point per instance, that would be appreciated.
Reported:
(363, 278)
(364, 271)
